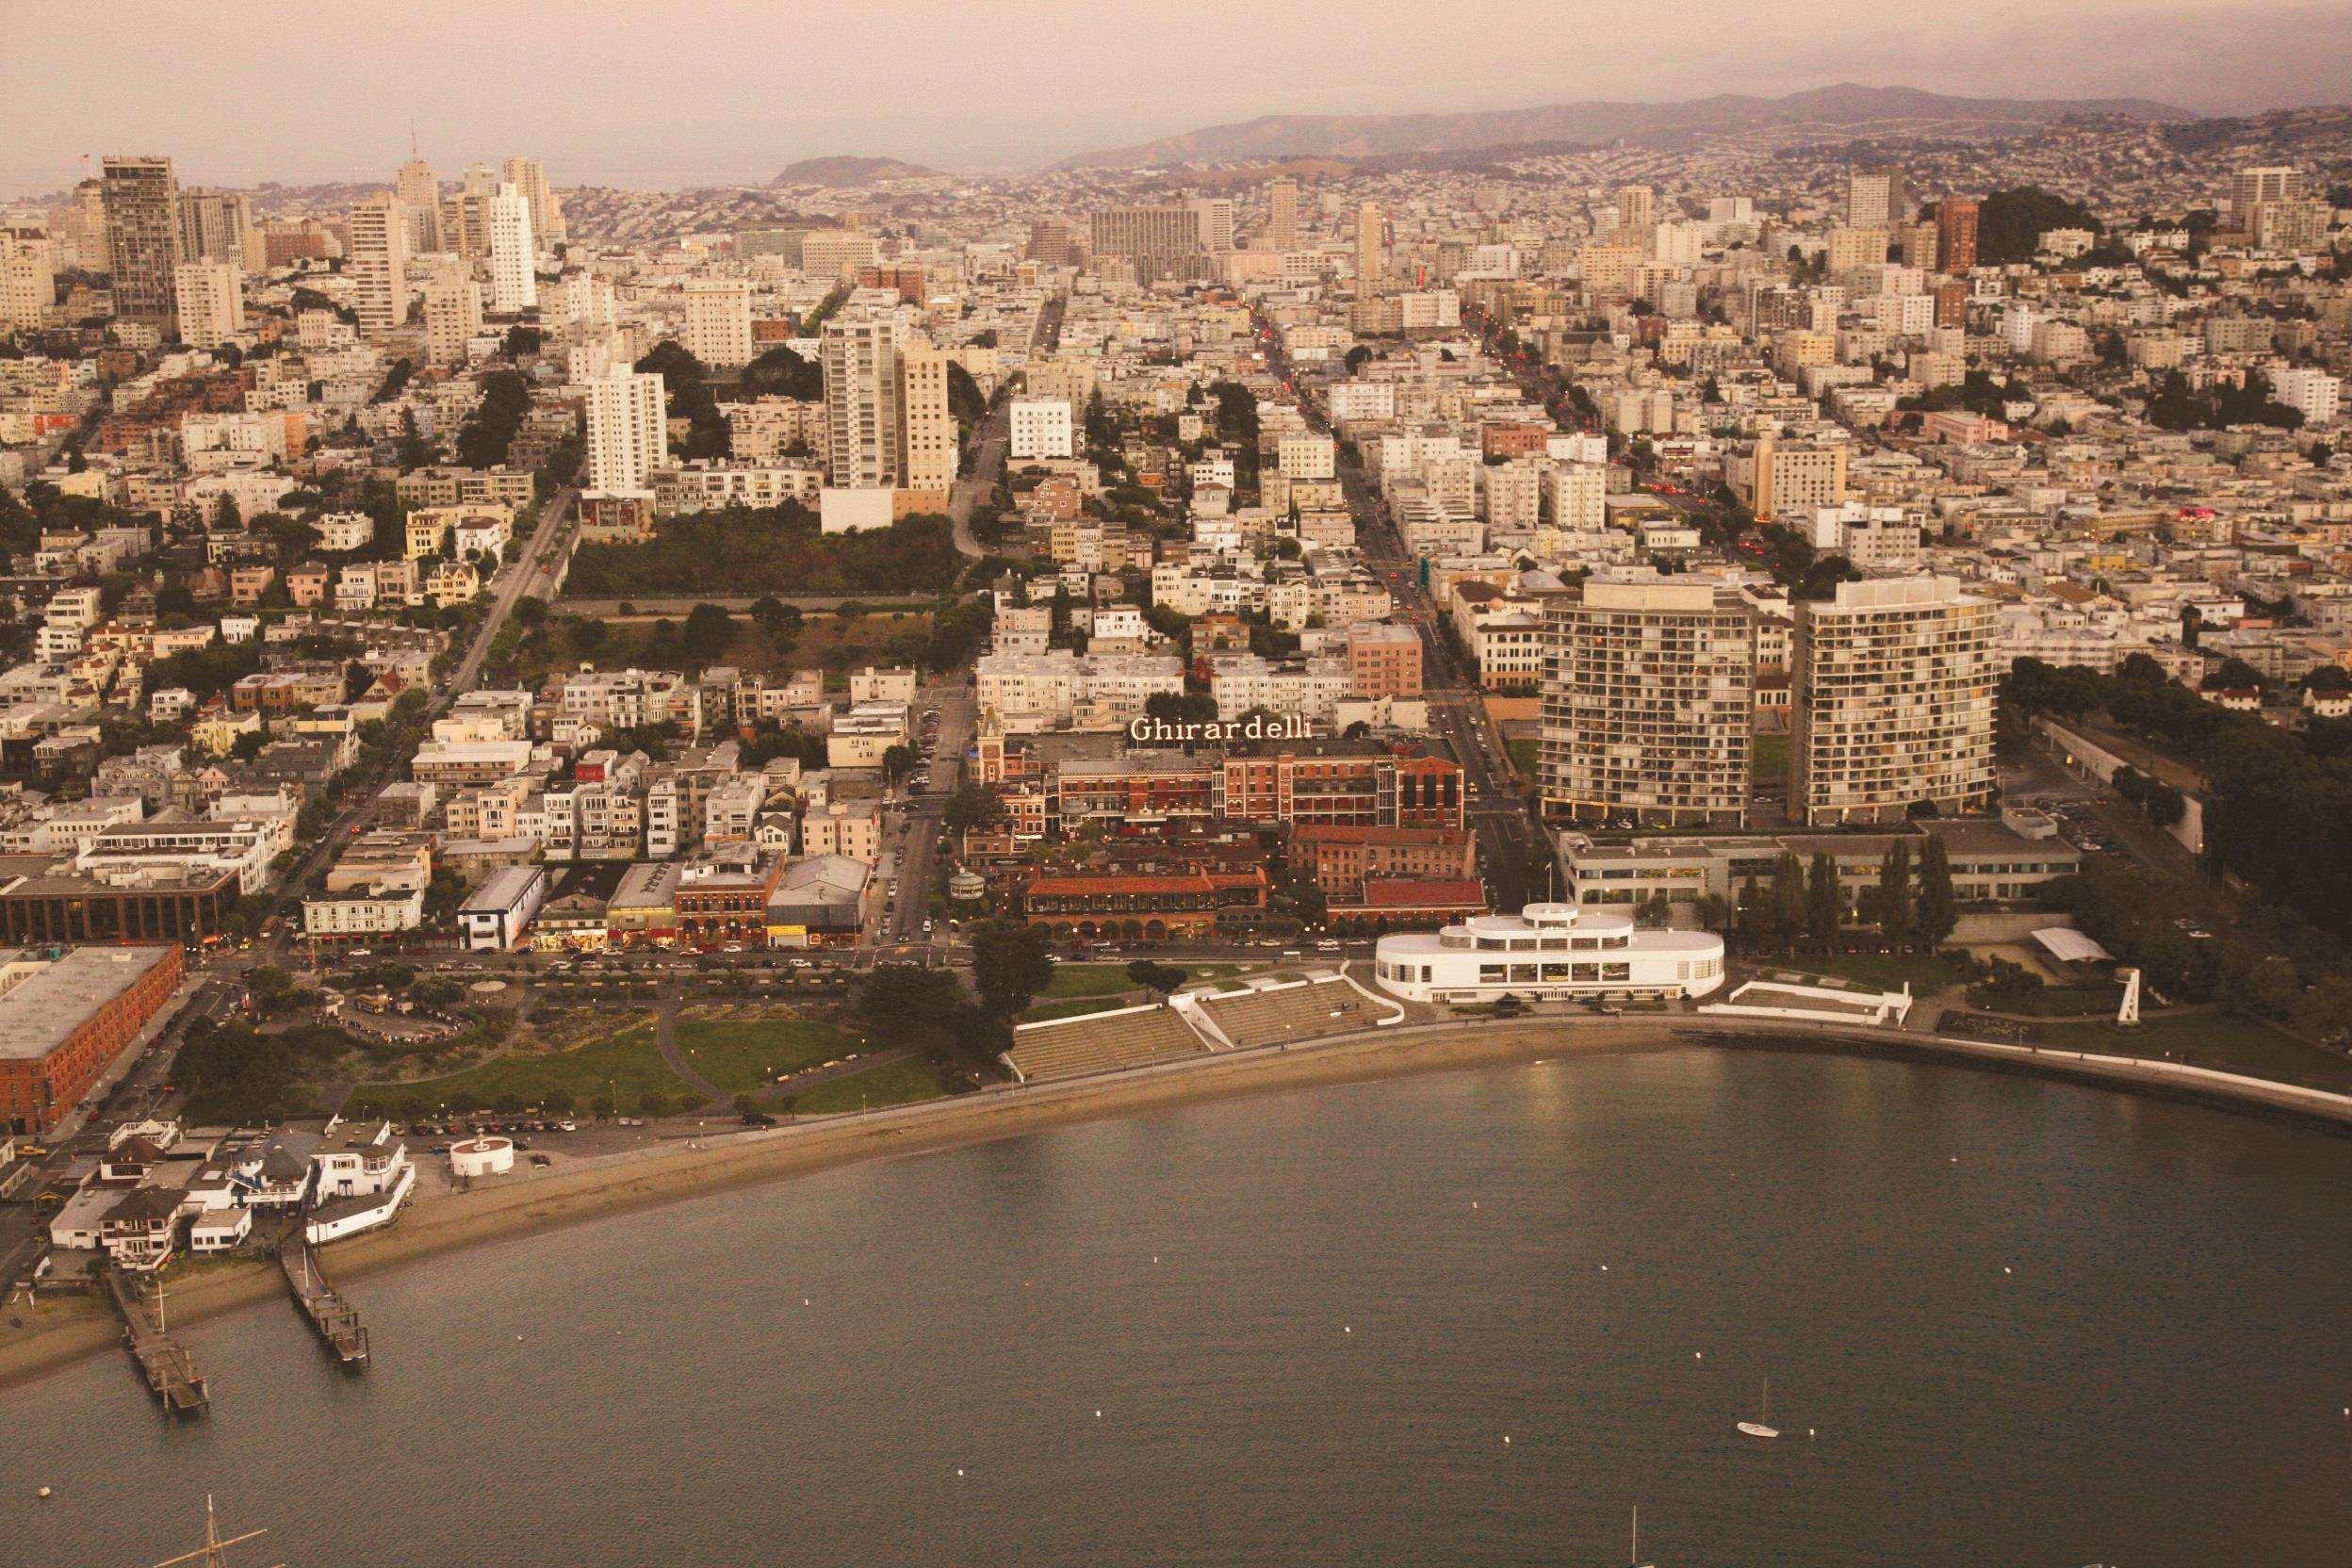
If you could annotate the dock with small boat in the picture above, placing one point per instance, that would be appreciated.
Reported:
(337, 1319)
(170, 1370)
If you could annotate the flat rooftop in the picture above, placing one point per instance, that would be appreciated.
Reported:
(48, 1005)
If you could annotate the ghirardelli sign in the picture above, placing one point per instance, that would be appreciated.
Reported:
(1182, 733)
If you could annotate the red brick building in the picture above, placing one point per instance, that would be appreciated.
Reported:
(64, 1020)
(1339, 860)
(1383, 661)
(1407, 904)
(1142, 908)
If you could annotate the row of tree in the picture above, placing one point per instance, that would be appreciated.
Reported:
(1908, 906)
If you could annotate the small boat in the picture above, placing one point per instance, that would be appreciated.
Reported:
(1636, 1557)
(1760, 1427)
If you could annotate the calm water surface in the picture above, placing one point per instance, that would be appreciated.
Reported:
(2006, 1322)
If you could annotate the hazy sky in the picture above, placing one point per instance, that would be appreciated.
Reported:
(640, 93)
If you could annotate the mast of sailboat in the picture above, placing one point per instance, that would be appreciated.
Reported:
(213, 1553)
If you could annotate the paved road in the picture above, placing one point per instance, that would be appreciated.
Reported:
(554, 518)
(666, 1038)
(977, 485)
(1510, 837)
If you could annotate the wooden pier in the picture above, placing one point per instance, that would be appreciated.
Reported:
(337, 1320)
(170, 1370)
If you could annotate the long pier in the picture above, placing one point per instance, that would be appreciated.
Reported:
(170, 1370)
(337, 1319)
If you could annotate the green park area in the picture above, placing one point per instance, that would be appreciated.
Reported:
(893, 1084)
(623, 1063)
(741, 1049)
(2223, 1041)
(618, 1065)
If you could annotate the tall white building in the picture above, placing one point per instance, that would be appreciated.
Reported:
(210, 297)
(2314, 394)
(452, 312)
(514, 253)
(1040, 427)
(1216, 222)
(419, 195)
(530, 177)
(1892, 699)
(926, 427)
(379, 265)
(1648, 694)
(627, 430)
(718, 321)
(28, 282)
(1281, 214)
(861, 414)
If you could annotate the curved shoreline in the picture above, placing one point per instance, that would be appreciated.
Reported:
(646, 1177)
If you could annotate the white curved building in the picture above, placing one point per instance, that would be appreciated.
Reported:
(1548, 951)
(482, 1157)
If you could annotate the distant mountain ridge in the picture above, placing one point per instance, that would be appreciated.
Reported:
(842, 171)
(1843, 108)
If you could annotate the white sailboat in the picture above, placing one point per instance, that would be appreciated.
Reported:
(1761, 1426)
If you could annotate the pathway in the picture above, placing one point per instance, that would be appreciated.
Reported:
(665, 1036)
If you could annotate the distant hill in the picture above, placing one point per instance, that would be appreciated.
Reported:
(1844, 108)
(849, 170)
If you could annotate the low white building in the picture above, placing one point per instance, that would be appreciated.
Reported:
(1548, 952)
(1040, 427)
(493, 918)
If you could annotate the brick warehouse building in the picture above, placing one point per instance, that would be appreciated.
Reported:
(63, 1021)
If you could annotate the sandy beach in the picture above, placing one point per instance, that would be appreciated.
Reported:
(592, 1188)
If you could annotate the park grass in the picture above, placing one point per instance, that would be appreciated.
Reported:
(2225, 1042)
(1926, 972)
(1071, 980)
(625, 1059)
(742, 1050)
(893, 1084)
(2053, 1001)
(1768, 757)
(1076, 1006)
(1526, 753)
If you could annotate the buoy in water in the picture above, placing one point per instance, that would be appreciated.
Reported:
(1506, 1440)
(45, 1493)
(1698, 1355)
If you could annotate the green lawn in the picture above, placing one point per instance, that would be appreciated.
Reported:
(1524, 754)
(2223, 1041)
(626, 1059)
(1088, 980)
(1887, 971)
(2053, 1001)
(1076, 1006)
(744, 1052)
(895, 1083)
(1768, 757)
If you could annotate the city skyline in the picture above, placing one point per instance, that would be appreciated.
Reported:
(1023, 88)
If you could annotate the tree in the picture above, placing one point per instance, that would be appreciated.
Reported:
(1894, 894)
(1788, 897)
(1938, 910)
(746, 1105)
(907, 999)
(709, 632)
(1824, 901)
(1011, 963)
(897, 762)
(974, 805)
(2010, 224)
(1156, 977)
